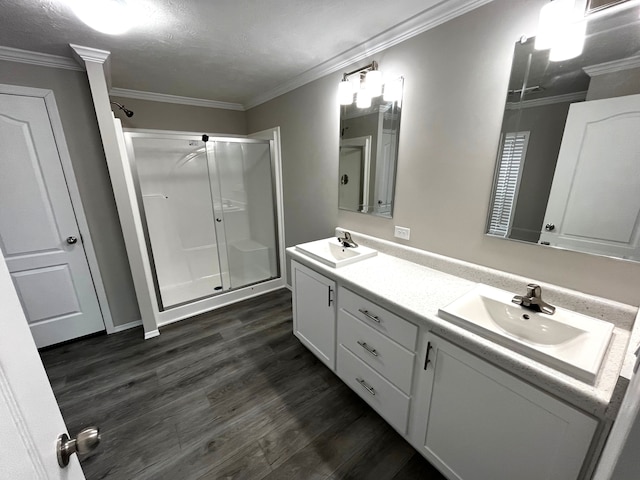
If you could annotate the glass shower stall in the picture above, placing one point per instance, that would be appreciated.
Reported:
(208, 212)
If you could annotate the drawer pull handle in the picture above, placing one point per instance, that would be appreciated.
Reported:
(426, 358)
(329, 299)
(368, 388)
(369, 315)
(372, 351)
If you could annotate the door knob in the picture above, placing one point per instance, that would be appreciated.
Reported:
(71, 240)
(85, 441)
(549, 227)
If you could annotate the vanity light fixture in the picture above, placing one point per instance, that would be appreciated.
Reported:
(362, 83)
(560, 31)
(366, 83)
(112, 17)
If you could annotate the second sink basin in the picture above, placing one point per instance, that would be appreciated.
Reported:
(331, 252)
(567, 341)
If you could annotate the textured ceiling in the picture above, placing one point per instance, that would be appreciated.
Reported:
(225, 50)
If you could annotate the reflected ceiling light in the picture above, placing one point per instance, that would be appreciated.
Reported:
(560, 31)
(107, 16)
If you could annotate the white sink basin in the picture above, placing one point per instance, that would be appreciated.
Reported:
(331, 252)
(567, 341)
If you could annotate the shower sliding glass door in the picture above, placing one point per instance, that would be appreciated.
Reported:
(208, 211)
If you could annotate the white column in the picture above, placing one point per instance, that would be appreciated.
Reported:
(97, 66)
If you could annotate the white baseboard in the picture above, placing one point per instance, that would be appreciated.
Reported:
(126, 326)
(151, 334)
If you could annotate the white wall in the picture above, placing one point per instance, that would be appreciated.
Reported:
(456, 76)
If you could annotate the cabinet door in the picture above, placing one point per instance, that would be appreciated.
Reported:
(314, 312)
(477, 422)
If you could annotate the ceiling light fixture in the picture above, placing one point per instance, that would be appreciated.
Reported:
(112, 17)
(560, 30)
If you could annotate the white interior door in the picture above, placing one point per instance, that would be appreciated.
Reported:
(599, 149)
(30, 420)
(350, 171)
(38, 230)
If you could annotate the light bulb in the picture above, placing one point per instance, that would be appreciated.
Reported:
(554, 16)
(393, 90)
(355, 83)
(569, 42)
(345, 93)
(363, 99)
(106, 16)
(373, 82)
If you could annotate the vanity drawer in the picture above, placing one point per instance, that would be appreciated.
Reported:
(384, 398)
(390, 324)
(388, 358)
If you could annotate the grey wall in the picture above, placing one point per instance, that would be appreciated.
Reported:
(71, 90)
(456, 76)
(186, 118)
(617, 84)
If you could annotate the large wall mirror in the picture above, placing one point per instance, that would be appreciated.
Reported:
(568, 163)
(368, 157)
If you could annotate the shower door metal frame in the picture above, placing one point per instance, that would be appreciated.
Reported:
(165, 316)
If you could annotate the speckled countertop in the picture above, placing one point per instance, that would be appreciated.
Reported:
(416, 292)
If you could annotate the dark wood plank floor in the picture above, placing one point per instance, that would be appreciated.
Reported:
(231, 394)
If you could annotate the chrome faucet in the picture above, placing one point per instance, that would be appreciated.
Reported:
(347, 241)
(533, 300)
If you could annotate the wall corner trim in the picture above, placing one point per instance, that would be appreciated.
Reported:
(151, 334)
(37, 58)
(438, 14)
(163, 97)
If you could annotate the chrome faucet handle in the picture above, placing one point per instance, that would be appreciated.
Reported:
(534, 290)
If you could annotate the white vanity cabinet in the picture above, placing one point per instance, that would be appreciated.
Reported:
(474, 421)
(314, 312)
(376, 356)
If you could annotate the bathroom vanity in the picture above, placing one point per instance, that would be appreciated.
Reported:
(474, 408)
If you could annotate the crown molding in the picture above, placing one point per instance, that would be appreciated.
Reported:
(94, 55)
(162, 97)
(540, 102)
(37, 58)
(613, 66)
(440, 13)
(88, 54)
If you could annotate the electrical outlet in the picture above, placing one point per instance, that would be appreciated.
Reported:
(403, 233)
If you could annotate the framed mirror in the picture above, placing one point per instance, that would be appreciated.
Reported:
(568, 165)
(368, 157)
